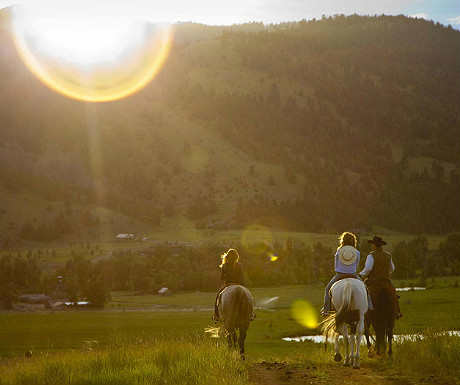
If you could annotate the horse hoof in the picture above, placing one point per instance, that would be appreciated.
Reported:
(346, 364)
(356, 367)
(337, 357)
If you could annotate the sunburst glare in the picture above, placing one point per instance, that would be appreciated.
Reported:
(89, 51)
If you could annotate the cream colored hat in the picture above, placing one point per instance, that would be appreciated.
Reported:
(348, 255)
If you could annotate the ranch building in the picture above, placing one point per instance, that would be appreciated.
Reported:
(165, 292)
(125, 237)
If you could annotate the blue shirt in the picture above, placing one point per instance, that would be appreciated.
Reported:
(346, 269)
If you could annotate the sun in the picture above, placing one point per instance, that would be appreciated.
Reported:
(91, 51)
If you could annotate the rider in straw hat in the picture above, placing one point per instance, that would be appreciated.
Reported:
(346, 263)
(379, 266)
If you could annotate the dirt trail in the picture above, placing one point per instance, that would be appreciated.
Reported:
(281, 373)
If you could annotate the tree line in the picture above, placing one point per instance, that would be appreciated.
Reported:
(196, 268)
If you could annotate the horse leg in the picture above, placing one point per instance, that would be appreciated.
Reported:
(234, 338)
(359, 335)
(368, 340)
(241, 340)
(367, 325)
(352, 348)
(390, 341)
(346, 342)
(380, 341)
(337, 355)
(229, 339)
(370, 350)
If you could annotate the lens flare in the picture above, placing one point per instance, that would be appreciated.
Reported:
(91, 54)
(258, 238)
(304, 313)
(195, 159)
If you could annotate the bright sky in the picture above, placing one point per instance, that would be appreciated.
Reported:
(214, 12)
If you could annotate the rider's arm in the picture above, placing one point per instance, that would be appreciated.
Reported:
(392, 266)
(368, 265)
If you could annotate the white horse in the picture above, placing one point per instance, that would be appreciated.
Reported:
(349, 297)
(235, 313)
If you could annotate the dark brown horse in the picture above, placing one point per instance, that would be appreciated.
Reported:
(382, 318)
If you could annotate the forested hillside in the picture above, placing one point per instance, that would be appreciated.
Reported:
(345, 122)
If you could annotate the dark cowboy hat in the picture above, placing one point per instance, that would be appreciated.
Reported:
(377, 241)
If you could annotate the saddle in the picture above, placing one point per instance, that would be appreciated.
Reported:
(375, 287)
(346, 276)
(219, 294)
(343, 276)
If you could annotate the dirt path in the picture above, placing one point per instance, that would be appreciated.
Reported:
(281, 373)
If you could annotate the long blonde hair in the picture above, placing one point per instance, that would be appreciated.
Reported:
(230, 258)
(347, 238)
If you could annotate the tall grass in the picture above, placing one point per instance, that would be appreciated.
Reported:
(432, 353)
(432, 356)
(154, 361)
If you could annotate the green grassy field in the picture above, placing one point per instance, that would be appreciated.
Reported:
(135, 338)
(189, 314)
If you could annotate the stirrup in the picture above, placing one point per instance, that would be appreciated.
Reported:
(215, 318)
(253, 317)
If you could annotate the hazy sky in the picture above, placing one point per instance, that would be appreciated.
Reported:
(275, 11)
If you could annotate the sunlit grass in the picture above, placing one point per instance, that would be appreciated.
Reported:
(197, 360)
(47, 332)
(437, 353)
(140, 361)
(63, 344)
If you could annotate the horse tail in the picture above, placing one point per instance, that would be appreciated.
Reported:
(341, 315)
(335, 321)
(236, 306)
(328, 328)
(385, 315)
(388, 311)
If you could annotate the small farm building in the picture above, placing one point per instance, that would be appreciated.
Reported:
(124, 237)
(165, 292)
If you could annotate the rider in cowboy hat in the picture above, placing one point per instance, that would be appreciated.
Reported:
(346, 263)
(379, 266)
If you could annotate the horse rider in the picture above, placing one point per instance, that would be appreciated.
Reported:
(231, 272)
(379, 266)
(346, 263)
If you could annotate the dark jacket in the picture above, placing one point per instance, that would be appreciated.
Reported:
(229, 275)
(381, 270)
